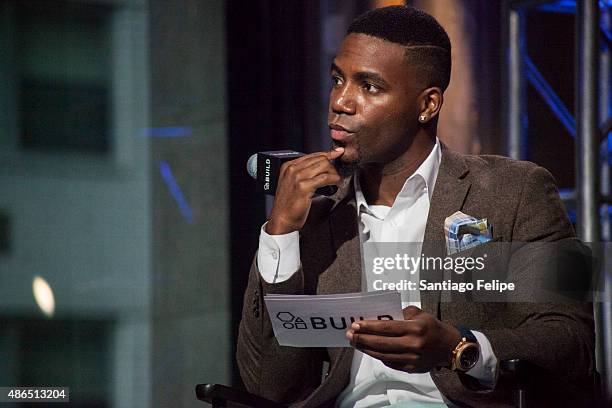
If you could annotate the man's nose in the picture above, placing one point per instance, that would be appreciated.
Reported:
(343, 102)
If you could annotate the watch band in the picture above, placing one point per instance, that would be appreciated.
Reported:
(467, 333)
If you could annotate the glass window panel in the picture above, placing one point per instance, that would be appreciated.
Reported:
(63, 63)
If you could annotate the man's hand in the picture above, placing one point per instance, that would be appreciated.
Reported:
(415, 345)
(298, 180)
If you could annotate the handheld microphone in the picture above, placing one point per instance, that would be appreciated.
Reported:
(264, 167)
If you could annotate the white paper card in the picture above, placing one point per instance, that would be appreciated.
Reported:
(322, 320)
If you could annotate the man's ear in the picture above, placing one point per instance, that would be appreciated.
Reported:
(430, 103)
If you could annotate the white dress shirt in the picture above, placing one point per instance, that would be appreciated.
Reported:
(372, 384)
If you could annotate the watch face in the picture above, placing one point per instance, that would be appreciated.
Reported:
(469, 357)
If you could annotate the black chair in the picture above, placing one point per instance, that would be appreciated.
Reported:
(516, 372)
(220, 396)
(521, 376)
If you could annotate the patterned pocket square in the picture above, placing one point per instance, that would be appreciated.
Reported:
(463, 231)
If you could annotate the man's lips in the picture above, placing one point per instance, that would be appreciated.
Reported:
(339, 133)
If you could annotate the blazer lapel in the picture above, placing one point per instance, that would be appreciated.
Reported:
(450, 191)
(344, 274)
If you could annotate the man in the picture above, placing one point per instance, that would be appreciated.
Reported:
(388, 82)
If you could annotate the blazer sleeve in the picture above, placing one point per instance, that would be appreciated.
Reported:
(268, 369)
(558, 337)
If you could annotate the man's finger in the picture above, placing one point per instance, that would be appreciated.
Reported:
(310, 168)
(298, 162)
(330, 155)
(323, 179)
(411, 312)
(384, 344)
(382, 327)
(314, 158)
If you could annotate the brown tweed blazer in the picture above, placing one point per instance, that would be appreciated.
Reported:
(520, 200)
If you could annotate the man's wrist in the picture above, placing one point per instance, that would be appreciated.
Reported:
(274, 227)
(455, 340)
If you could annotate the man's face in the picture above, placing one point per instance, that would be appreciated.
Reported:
(373, 110)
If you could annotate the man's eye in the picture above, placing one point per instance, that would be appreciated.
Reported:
(371, 88)
(336, 80)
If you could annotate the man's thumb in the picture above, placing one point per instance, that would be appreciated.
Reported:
(334, 154)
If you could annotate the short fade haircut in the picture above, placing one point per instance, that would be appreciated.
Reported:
(427, 45)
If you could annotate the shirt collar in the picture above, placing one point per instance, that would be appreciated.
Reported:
(427, 171)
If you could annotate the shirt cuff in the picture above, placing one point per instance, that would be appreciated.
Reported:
(278, 257)
(485, 370)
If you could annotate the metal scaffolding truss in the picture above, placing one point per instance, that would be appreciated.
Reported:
(591, 200)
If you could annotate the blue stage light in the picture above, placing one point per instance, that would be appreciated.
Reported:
(167, 131)
(547, 92)
(609, 149)
(176, 192)
(563, 6)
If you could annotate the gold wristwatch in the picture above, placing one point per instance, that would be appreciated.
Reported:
(466, 353)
